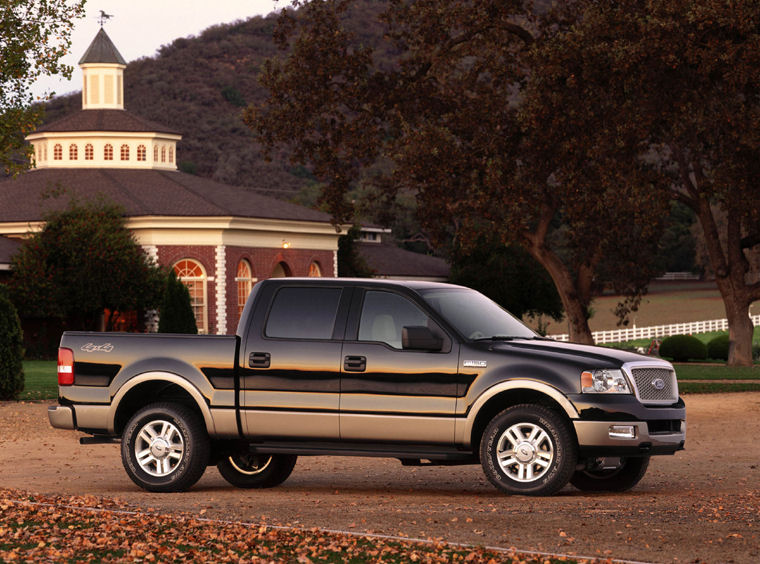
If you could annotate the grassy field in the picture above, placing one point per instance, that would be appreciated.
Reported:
(666, 302)
(42, 380)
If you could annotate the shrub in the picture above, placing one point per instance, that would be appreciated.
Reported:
(11, 350)
(176, 313)
(682, 348)
(718, 348)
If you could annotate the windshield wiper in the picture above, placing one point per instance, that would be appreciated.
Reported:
(500, 338)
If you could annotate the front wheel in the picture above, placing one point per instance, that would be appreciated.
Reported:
(247, 470)
(618, 477)
(528, 449)
(165, 447)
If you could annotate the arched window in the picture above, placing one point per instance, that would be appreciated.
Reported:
(163, 154)
(73, 152)
(281, 270)
(141, 152)
(108, 152)
(244, 280)
(191, 273)
(57, 152)
(125, 152)
(89, 154)
(155, 153)
(171, 154)
(314, 270)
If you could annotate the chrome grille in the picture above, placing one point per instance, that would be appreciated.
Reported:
(648, 380)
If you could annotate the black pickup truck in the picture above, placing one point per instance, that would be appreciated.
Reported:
(423, 372)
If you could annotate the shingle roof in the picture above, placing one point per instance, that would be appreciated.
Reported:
(388, 260)
(141, 193)
(104, 120)
(102, 50)
(8, 248)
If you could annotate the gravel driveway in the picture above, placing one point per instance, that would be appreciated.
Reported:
(699, 505)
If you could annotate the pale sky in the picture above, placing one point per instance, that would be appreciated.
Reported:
(140, 27)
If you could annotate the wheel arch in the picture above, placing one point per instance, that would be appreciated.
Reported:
(499, 397)
(156, 387)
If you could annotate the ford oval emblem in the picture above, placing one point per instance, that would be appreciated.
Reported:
(658, 384)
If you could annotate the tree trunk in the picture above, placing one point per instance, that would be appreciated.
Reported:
(730, 267)
(574, 292)
(740, 330)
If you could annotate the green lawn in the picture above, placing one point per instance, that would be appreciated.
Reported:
(41, 380)
(688, 371)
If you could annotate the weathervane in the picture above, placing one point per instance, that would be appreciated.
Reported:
(103, 18)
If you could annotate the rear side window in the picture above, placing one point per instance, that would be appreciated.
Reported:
(303, 313)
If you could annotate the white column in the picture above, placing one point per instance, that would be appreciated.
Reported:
(221, 290)
(335, 264)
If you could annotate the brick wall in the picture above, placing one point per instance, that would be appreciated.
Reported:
(263, 262)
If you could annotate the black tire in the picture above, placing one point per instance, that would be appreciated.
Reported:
(247, 470)
(619, 479)
(537, 449)
(165, 447)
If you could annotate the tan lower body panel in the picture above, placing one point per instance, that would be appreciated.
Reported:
(93, 417)
(225, 423)
(393, 428)
(290, 424)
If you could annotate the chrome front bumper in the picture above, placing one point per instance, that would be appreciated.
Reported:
(627, 437)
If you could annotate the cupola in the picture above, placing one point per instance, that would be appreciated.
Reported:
(102, 75)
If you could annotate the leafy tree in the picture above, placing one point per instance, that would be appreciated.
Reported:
(176, 311)
(81, 263)
(509, 276)
(671, 85)
(33, 37)
(350, 262)
(11, 350)
(445, 117)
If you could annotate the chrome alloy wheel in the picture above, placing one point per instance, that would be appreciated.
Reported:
(159, 448)
(250, 464)
(525, 452)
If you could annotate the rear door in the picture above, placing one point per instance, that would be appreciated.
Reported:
(390, 394)
(290, 369)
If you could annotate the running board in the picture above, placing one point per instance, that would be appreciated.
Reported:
(410, 455)
(99, 440)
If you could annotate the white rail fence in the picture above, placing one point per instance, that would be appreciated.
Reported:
(657, 331)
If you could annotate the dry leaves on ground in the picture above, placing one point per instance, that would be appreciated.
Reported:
(86, 529)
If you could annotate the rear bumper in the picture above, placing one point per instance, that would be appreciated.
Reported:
(61, 416)
(627, 438)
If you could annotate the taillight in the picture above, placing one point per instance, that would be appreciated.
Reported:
(65, 367)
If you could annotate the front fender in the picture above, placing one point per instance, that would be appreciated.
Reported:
(464, 431)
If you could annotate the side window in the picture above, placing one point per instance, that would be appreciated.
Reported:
(385, 314)
(303, 313)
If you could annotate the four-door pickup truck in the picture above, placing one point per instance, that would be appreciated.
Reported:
(427, 373)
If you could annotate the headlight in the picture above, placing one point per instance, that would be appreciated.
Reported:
(604, 381)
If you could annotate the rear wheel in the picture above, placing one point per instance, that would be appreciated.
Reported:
(611, 475)
(528, 449)
(165, 447)
(247, 470)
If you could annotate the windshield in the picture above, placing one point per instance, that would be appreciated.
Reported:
(474, 315)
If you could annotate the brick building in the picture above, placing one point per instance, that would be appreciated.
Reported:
(219, 239)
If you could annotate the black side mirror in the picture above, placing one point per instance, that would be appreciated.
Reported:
(420, 338)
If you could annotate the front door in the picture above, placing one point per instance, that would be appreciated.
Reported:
(388, 393)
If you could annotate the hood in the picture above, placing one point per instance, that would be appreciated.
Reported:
(584, 356)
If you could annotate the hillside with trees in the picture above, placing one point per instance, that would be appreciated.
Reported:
(199, 87)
